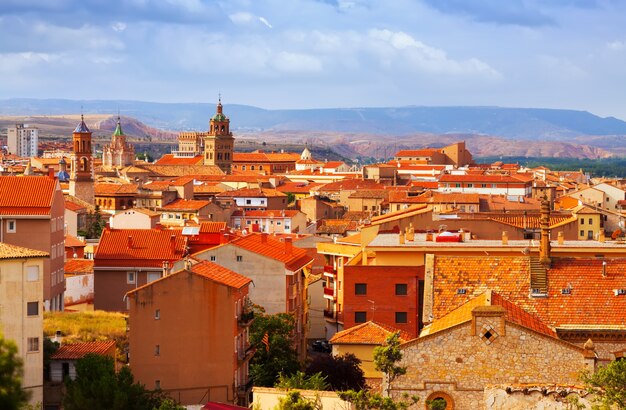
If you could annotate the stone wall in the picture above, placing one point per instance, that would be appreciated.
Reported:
(546, 397)
(459, 362)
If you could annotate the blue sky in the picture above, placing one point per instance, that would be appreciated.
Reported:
(319, 53)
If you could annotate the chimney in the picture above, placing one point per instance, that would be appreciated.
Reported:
(505, 238)
(173, 242)
(288, 246)
(560, 237)
(129, 244)
(51, 172)
(166, 268)
(187, 263)
(601, 237)
(544, 246)
(264, 237)
(604, 269)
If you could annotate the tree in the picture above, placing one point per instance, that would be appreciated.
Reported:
(294, 401)
(609, 384)
(98, 387)
(49, 348)
(366, 400)
(12, 396)
(386, 359)
(279, 355)
(95, 224)
(299, 380)
(341, 372)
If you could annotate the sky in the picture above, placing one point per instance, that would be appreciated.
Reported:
(319, 53)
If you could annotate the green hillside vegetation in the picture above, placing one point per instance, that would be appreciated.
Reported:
(604, 167)
(86, 326)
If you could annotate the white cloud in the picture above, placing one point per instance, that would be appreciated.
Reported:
(245, 18)
(296, 63)
(17, 62)
(119, 26)
(264, 21)
(616, 45)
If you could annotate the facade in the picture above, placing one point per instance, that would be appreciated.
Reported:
(32, 215)
(219, 141)
(275, 222)
(267, 163)
(135, 218)
(486, 184)
(118, 153)
(23, 140)
(21, 315)
(189, 335)
(81, 176)
(279, 271)
(256, 199)
(454, 154)
(112, 198)
(63, 361)
(182, 212)
(129, 258)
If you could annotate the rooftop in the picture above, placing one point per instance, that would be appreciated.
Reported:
(368, 333)
(36, 194)
(141, 247)
(266, 245)
(18, 252)
(79, 350)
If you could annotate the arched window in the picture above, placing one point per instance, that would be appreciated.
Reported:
(439, 400)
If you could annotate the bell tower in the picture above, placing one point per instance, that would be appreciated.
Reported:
(219, 141)
(81, 177)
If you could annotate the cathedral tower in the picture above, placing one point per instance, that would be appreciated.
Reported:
(219, 141)
(118, 153)
(81, 177)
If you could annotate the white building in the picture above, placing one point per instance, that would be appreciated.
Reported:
(23, 140)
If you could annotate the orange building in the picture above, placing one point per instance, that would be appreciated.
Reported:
(189, 335)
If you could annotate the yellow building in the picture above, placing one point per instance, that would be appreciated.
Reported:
(21, 310)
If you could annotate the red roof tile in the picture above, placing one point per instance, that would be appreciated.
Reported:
(170, 159)
(275, 249)
(220, 274)
(148, 247)
(35, 195)
(79, 350)
(78, 266)
(350, 185)
(14, 252)
(368, 333)
(185, 205)
(72, 241)
(101, 189)
(212, 227)
(427, 152)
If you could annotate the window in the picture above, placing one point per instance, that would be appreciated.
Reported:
(590, 221)
(483, 185)
(470, 185)
(157, 384)
(401, 317)
(248, 201)
(360, 288)
(11, 226)
(32, 273)
(582, 233)
(130, 277)
(213, 258)
(32, 308)
(152, 276)
(33, 344)
(157, 350)
(239, 258)
(401, 289)
(157, 314)
(582, 221)
(360, 317)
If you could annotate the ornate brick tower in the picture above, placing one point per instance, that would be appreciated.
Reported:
(118, 153)
(219, 141)
(81, 177)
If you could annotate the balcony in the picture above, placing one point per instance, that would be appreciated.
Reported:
(329, 293)
(244, 355)
(329, 314)
(245, 318)
(243, 390)
(329, 271)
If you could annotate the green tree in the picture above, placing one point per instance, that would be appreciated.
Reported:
(386, 359)
(299, 380)
(294, 401)
(609, 385)
(98, 387)
(366, 400)
(279, 356)
(342, 372)
(95, 224)
(12, 396)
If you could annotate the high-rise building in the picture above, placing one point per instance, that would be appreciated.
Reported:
(81, 177)
(23, 140)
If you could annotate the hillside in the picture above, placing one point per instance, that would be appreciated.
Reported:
(510, 123)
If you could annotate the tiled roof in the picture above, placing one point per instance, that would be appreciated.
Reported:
(212, 227)
(75, 266)
(252, 193)
(185, 205)
(182, 170)
(333, 164)
(275, 249)
(370, 194)
(530, 221)
(482, 178)
(512, 312)
(212, 188)
(71, 206)
(156, 186)
(501, 202)
(267, 213)
(297, 187)
(14, 252)
(79, 202)
(351, 185)
(170, 159)
(336, 226)
(149, 247)
(416, 152)
(220, 274)
(72, 241)
(79, 350)
(143, 211)
(114, 189)
(35, 195)
(368, 333)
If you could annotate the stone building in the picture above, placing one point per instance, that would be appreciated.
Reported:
(118, 153)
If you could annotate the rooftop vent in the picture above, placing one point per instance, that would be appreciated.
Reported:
(620, 292)
(461, 291)
(566, 291)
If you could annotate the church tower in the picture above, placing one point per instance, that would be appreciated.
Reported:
(219, 141)
(118, 153)
(81, 177)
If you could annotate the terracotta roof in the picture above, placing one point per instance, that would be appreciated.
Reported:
(71, 206)
(76, 266)
(170, 159)
(144, 211)
(267, 213)
(512, 313)
(333, 164)
(336, 226)
(482, 178)
(17, 252)
(501, 202)
(220, 274)
(275, 249)
(351, 185)
(368, 333)
(182, 170)
(185, 205)
(149, 247)
(114, 189)
(427, 152)
(72, 241)
(156, 186)
(297, 187)
(79, 350)
(370, 194)
(77, 201)
(252, 193)
(531, 221)
(35, 195)
(212, 227)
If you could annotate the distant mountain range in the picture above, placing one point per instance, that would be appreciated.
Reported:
(508, 123)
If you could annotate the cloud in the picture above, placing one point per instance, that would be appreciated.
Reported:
(247, 19)
(616, 45)
(296, 63)
(119, 26)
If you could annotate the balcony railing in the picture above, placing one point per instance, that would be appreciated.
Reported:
(329, 313)
(243, 355)
(245, 388)
(329, 270)
(246, 318)
(329, 291)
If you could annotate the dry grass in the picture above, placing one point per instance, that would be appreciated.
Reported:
(86, 326)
